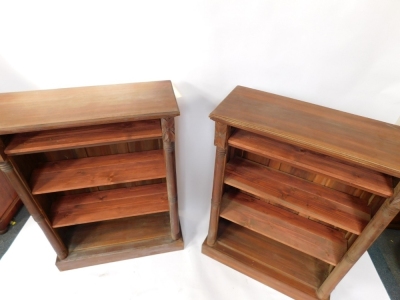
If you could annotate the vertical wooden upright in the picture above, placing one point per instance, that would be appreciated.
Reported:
(31, 205)
(168, 135)
(220, 139)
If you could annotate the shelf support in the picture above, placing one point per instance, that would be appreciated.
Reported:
(34, 209)
(379, 222)
(220, 141)
(168, 135)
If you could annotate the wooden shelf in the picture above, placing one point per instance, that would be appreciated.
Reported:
(109, 241)
(70, 138)
(285, 269)
(98, 171)
(315, 239)
(327, 205)
(111, 204)
(356, 176)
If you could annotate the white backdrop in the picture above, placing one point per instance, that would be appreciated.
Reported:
(340, 54)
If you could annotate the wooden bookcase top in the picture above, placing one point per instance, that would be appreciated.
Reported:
(83, 106)
(353, 138)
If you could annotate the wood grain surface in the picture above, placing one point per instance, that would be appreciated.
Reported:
(356, 139)
(82, 106)
(71, 138)
(108, 241)
(330, 206)
(285, 269)
(315, 239)
(110, 204)
(356, 176)
(97, 171)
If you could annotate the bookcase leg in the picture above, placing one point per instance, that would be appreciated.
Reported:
(168, 130)
(220, 140)
(379, 222)
(34, 209)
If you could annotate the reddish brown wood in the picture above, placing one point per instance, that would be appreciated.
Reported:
(110, 204)
(168, 130)
(79, 137)
(327, 205)
(9, 203)
(34, 209)
(96, 171)
(287, 270)
(220, 140)
(352, 138)
(84, 106)
(307, 236)
(103, 242)
(314, 163)
(100, 148)
(359, 177)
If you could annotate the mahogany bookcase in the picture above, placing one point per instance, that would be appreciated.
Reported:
(300, 191)
(95, 167)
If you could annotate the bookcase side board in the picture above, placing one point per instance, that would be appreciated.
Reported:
(95, 167)
(310, 186)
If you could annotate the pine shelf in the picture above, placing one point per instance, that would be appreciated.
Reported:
(95, 167)
(300, 191)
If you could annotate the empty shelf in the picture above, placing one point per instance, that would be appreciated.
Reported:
(98, 171)
(327, 205)
(109, 241)
(111, 204)
(285, 269)
(307, 236)
(79, 137)
(356, 176)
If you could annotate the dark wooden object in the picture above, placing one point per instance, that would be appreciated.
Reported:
(9, 203)
(302, 184)
(95, 166)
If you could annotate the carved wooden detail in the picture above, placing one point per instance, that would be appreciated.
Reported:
(168, 129)
(221, 135)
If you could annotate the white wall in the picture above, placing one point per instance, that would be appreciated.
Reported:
(340, 54)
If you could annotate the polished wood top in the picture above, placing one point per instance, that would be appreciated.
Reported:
(353, 138)
(81, 106)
